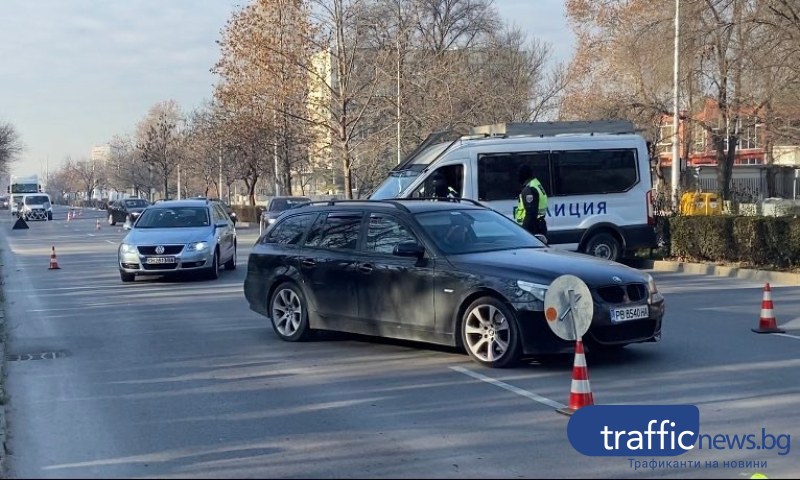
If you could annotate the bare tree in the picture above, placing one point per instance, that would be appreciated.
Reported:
(159, 140)
(88, 173)
(10, 146)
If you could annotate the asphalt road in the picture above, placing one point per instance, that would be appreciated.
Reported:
(177, 379)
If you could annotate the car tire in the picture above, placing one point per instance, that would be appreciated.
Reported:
(490, 334)
(127, 277)
(111, 220)
(213, 272)
(231, 264)
(603, 245)
(49, 216)
(289, 313)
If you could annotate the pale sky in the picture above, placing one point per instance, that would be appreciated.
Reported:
(74, 73)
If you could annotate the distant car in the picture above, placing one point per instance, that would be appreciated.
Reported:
(178, 236)
(4, 202)
(278, 205)
(125, 210)
(455, 274)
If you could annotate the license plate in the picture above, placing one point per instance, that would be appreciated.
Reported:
(160, 260)
(629, 313)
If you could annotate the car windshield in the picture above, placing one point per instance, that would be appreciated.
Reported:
(281, 204)
(136, 203)
(176, 217)
(396, 184)
(36, 200)
(470, 231)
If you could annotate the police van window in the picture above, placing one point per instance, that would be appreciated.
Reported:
(594, 171)
(452, 176)
(290, 231)
(498, 174)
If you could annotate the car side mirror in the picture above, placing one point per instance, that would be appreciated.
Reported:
(541, 238)
(409, 249)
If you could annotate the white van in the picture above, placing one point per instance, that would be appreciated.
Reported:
(596, 175)
(36, 206)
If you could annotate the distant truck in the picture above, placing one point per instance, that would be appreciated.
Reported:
(28, 184)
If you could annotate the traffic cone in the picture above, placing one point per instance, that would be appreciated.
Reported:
(767, 322)
(97, 226)
(69, 216)
(54, 261)
(580, 394)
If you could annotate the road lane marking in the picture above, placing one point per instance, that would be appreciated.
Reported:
(112, 243)
(787, 335)
(510, 388)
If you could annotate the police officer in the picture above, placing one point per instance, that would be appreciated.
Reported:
(532, 205)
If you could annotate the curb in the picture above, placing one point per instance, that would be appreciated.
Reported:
(787, 278)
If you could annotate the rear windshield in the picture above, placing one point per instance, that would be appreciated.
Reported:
(136, 203)
(281, 204)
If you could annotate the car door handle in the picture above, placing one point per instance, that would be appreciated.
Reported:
(366, 268)
(307, 262)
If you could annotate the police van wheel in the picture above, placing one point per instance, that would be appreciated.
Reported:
(603, 245)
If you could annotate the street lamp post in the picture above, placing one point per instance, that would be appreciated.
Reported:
(675, 115)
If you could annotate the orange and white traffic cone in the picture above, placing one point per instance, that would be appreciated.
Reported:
(580, 394)
(767, 322)
(54, 261)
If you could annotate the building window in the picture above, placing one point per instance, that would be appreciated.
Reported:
(666, 137)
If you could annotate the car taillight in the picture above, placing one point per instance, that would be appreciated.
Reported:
(651, 220)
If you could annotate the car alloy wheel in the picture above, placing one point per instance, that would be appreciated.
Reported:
(490, 333)
(288, 313)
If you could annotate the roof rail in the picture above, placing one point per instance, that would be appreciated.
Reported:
(438, 199)
(331, 203)
(551, 129)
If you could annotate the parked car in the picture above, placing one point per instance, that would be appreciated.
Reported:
(450, 273)
(276, 206)
(178, 236)
(125, 210)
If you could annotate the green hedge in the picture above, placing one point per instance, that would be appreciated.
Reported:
(770, 242)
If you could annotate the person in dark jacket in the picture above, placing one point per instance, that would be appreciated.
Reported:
(532, 206)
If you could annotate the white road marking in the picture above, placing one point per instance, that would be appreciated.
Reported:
(510, 388)
(787, 335)
(90, 234)
(112, 243)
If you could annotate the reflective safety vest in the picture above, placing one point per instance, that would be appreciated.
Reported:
(451, 192)
(519, 215)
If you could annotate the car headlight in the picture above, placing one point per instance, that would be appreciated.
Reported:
(271, 220)
(198, 246)
(654, 297)
(536, 289)
(126, 248)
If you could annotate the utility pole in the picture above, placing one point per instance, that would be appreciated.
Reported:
(179, 181)
(219, 192)
(399, 24)
(676, 162)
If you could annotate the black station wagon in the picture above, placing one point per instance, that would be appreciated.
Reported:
(450, 273)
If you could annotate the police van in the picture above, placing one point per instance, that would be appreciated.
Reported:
(596, 175)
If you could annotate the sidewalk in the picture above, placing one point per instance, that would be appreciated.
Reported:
(786, 278)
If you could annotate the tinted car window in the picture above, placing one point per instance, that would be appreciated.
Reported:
(290, 230)
(135, 203)
(281, 204)
(471, 231)
(498, 177)
(385, 233)
(335, 230)
(174, 217)
(594, 171)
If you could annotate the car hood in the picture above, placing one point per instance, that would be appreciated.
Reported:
(161, 236)
(544, 265)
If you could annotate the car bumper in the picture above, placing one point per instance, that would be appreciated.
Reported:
(134, 262)
(538, 338)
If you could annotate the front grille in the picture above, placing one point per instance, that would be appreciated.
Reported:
(160, 266)
(168, 250)
(634, 292)
(630, 331)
